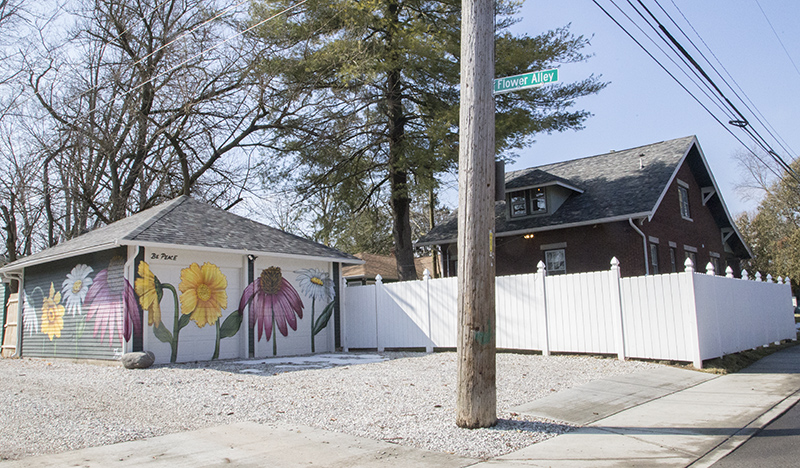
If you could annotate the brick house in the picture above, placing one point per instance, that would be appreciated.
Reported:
(651, 207)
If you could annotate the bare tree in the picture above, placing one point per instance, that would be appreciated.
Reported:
(153, 99)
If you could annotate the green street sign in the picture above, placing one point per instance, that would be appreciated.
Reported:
(525, 81)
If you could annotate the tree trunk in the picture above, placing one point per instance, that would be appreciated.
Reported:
(398, 173)
(476, 397)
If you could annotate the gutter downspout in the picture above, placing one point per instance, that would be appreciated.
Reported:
(20, 324)
(644, 244)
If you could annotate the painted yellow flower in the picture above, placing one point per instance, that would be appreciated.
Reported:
(52, 314)
(149, 290)
(203, 293)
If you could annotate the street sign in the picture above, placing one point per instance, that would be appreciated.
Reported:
(525, 81)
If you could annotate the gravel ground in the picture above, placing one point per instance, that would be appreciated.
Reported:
(409, 398)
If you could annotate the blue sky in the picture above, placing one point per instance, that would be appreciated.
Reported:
(643, 105)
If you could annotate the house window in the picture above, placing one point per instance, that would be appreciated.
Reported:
(518, 203)
(538, 201)
(693, 256)
(527, 202)
(555, 261)
(683, 199)
(653, 259)
(673, 260)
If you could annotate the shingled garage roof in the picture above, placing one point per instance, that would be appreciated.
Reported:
(615, 186)
(186, 222)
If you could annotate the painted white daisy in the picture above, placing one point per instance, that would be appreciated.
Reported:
(30, 322)
(316, 284)
(75, 287)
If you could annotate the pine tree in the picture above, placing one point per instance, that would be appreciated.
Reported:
(379, 80)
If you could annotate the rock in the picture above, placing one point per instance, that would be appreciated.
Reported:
(138, 360)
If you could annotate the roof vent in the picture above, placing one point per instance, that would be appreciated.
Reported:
(641, 161)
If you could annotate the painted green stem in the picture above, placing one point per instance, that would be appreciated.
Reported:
(313, 335)
(274, 334)
(216, 348)
(175, 324)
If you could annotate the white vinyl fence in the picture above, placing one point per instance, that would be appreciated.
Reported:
(684, 316)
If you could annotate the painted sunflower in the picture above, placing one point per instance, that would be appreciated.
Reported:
(52, 314)
(150, 292)
(203, 293)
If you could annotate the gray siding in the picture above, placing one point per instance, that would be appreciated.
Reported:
(65, 316)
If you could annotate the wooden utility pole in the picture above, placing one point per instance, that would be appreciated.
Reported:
(476, 401)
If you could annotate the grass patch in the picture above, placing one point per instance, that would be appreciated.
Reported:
(735, 362)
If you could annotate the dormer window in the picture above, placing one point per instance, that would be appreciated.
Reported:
(527, 202)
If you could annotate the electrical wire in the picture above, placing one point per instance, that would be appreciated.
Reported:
(668, 72)
(687, 59)
(777, 37)
(749, 104)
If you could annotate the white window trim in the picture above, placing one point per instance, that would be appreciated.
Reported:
(685, 186)
(682, 183)
(673, 245)
(713, 254)
(689, 248)
(653, 240)
(556, 246)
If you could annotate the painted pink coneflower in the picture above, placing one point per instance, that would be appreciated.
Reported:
(273, 301)
(112, 305)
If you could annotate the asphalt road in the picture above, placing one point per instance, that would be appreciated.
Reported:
(777, 445)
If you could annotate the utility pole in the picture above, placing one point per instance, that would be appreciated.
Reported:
(476, 401)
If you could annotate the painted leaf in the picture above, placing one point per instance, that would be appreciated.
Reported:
(183, 321)
(231, 325)
(162, 333)
(322, 320)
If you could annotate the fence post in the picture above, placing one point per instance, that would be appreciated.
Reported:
(745, 275)
(710, 269)
(378, 294)
(729, 272)
(426, 277)
(688, 265)
(343, 299)
(544, 323)
(618, 316)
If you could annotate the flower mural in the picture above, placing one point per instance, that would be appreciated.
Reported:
(275, 303)
(203, 293)
(317, 285)
(52, 314)
(75, 287)
(111, 303)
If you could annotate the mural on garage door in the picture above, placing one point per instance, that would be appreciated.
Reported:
(69, 311)
(203, 296)
(275, 303)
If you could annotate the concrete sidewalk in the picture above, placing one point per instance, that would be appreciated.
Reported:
(695, 426)
(668, 417)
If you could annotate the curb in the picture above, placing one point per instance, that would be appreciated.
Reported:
(744, 434)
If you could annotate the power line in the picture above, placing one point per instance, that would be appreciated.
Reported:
(658, 62)
(749, 104)
(778, 37)
(739, 120)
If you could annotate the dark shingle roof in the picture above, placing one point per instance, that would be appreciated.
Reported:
(187, 222)
(615, 185)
